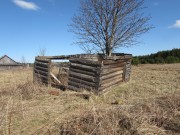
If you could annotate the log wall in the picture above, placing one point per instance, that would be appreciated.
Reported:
(93, 73)
(84, 74)
(42, 68)
(111, 74)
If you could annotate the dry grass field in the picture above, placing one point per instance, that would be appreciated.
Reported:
(148, 104)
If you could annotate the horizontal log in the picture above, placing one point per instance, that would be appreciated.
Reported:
(82, 76)
(69, 56)
(41, 76)
(41, 72)
(102, 88)
(113, 65)
(42, 60)
(109, 83)
(111, 70)
(82, 81)
(85, 62)
(118, 73)
(81, 86)
(83, 67)
(108, 62)
(120, 77)
(41, 68)
(84, 72)
(40, 64)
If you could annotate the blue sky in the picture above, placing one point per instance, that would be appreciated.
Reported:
(26, 26)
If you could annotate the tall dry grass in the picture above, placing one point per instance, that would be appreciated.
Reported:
(148, 104)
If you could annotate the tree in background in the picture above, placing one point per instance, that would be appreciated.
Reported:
(23, 60)
(42, 52)
(106, 25)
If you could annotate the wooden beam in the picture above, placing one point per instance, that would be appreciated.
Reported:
(55, 78)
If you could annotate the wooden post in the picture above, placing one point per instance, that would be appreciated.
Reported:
(49, 73)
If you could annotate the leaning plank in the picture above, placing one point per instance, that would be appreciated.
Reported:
(82, 76)
(55, 78)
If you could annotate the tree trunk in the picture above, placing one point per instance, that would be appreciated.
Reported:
(108, 51)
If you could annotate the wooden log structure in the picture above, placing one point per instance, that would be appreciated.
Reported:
(96, 73)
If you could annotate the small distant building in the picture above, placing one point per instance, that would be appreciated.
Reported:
(6, 63)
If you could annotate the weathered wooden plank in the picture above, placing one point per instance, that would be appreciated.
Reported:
(83, 67)
(40, 64)
(82, 76)
(111, 79)
(41, 60)
(108, 62)
(111, 70)
(40, 72)
(93, 84)
(41, 68)
(84, 72)
(82, 86)
(111, 75)
(102, 88)
(113, 65)
(85, 62)
(69, 56)
(41, 76)
(55, 78)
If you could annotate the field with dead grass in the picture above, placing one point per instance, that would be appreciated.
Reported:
(148, 104)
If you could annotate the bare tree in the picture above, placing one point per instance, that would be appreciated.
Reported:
(23, 60)
(42, 51)
(105, 25)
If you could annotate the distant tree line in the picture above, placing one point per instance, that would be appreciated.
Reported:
(169, 56)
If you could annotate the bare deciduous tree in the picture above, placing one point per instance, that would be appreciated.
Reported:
(42, 51)
(105, 25)
(23, 60)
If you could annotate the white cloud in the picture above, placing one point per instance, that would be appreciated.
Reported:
(176, 25)
(26, 5)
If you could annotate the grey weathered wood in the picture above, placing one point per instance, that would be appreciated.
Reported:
(111, 75)
(55, 78)
(112, 82)
(112, 79)
(93, 84)
(41, 72)
(85, 62)
(111, 70)
(78, 85)
(82, 76)
(42, 60)
(113, 65)
(109, 85)
(83, 67)
(40, 68)
(40, 64)
(84, 72)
